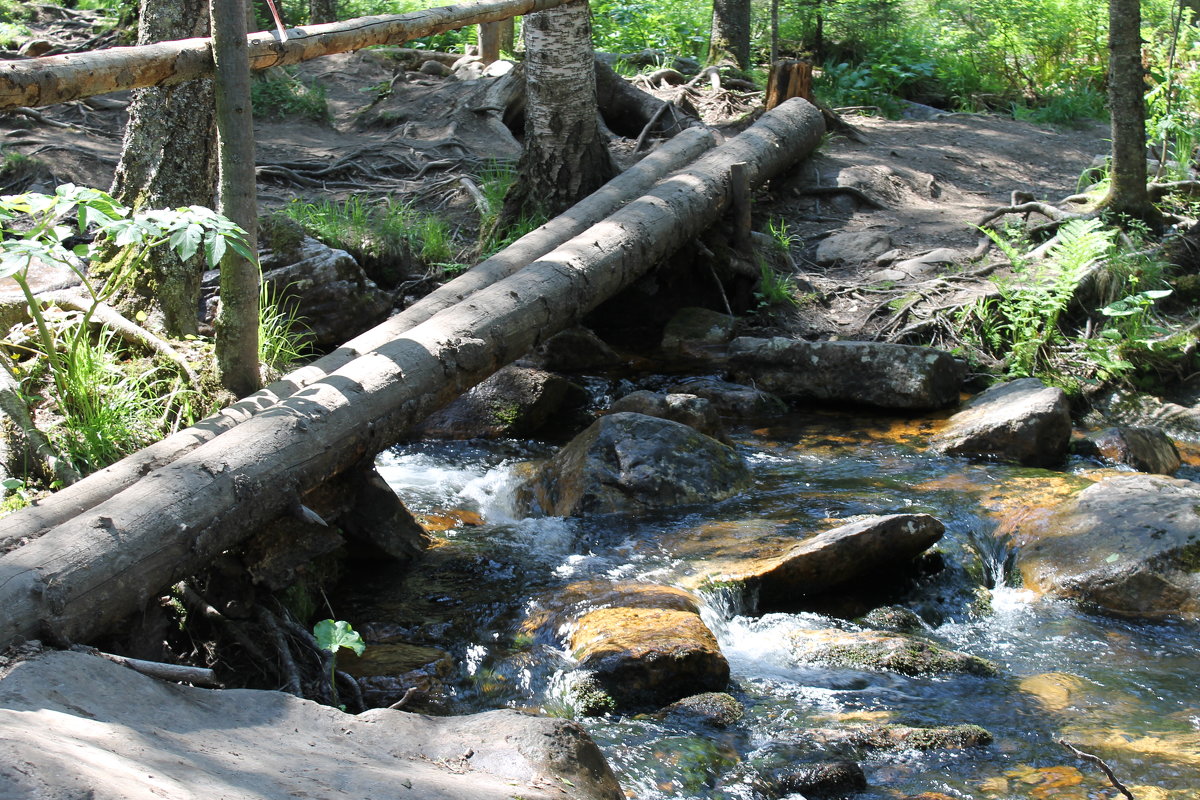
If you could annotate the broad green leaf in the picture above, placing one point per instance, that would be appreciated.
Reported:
(12, 483)
(186, 241)
(332, 636)
(214, 250)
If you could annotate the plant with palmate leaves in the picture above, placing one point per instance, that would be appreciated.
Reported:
(333, 636)
(34, 234)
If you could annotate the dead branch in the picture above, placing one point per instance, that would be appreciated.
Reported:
(1120, 787)
(177, 673)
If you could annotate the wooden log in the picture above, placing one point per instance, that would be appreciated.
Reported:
(489, 42)
(789, 78)
(31, 522)
(48, 80)
(87, 574)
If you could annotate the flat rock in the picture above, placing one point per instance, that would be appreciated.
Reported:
(629, 463)
(1128, 545)
(78, 726)
(1141, 448)
(865, 373)
(853, 247)
(835, 557)
(883, 652)
(1022, 421)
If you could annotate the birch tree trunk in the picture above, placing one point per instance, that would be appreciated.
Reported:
(565, 157)
(322, 11)
(169, 160)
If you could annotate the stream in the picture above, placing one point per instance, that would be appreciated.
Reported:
(1125, 691)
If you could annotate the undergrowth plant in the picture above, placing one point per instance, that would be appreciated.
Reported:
(1038, 326)
(279, 94)
(281, 342)
(105, 407)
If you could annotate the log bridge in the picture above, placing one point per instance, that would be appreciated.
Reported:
(96, 552)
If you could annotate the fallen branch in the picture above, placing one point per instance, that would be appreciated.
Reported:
(177, 673)
(1120, 787)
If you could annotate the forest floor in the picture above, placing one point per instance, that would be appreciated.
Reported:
(930, 179)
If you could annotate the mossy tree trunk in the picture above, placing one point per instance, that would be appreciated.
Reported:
(1128, 194)
(321, 11)
(169, 160)
(237, 320)
(730, 42)
(565, 157)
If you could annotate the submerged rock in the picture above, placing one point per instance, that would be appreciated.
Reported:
(79, 725)
(1143, 449)
(883, 652)
(575, 350)
(629, 463)
(785, 768)
(387, 671)
(733, 400)
(903, 737)
(1129, 545)
(833, 558)
(689, 409)
(717, 709)
(1022, 421)
(516, 401)
(864, 373)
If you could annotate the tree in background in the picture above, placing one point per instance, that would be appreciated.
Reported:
(168, 160)
(565, 157)
(1128, 193)
(730, 40)
(320, 11)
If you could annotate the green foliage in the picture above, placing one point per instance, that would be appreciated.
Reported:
(626, 26)
(494, 184)
(387, 236)
(333, 636)
(11, 34)
(1037, 326)
(280, 340)
(16, 11)
(281, 95)
(106, 408)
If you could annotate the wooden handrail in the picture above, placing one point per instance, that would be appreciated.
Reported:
(48, 80)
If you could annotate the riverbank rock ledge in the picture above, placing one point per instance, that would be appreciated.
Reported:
(79, 726)
(1128, 545)
(629, 463)
(864, 373)
(835, 557)
(642, 655)
(1022, 421)
(1143, 449)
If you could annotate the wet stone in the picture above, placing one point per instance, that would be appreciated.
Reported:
(879, 652)
(1142, 448)
(732, 400)
(1023, 422)
(689, 409)
(715, 709)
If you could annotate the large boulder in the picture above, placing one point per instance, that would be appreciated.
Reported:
(686, 408)
(629, 463)
(832, 558)
(864, 373)
(325, 289)
(1022, 421)
(575, 350)
(79, 726)
(1142, 448)
(636, 644)
(516, 401)
(1128, 545)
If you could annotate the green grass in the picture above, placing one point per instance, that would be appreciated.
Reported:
(281, 95)
(281, 342)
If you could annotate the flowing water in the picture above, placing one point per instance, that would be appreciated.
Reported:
(1123, 690)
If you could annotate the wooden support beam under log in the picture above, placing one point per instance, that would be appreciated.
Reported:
(89, 573)
(48, 80)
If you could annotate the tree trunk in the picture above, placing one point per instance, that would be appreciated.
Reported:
(322, 11)
(36, 82)
(489, 42)
(789, 78)
(168, 160)
(237, 320)
(89, 573)
(730, 42)
(508, 37)
(59, 507)
(1128, 194)
(565, 157)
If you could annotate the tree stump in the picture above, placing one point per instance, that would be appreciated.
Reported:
(789, 78)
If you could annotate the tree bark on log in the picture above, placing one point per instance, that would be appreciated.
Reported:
(48, 80)
(32, 522)
(89, 573)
